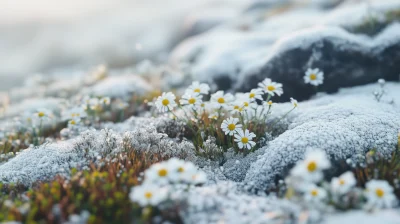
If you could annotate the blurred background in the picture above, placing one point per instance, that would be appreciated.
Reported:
(44, 35)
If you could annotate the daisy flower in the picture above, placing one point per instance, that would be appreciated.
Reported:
(244, 100)
(236, 107)
(314, 77)
(343, 183)
(311, 167)
(43, 114)
(294, 102)
(314, 193)
(219, 99)
(197, 87)
(150, 194)
(158, 173)
(230, 126)
(105, 100)
(192, 100)
(380, 194)
(166, 102)
(270, 87)
(244, 139)
(255, 94)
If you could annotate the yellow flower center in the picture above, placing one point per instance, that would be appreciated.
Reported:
(72, 122)
(221, 100)
(341, 182)
(192, 100)
(311, 166)
(41, 114)
(246, 104)
(181, 169)
(196, 90)
(162, 173)
(271, 88)
(252, 95)
(236, 107)
(202, 105)
(270, 102)
(165, 102)
(313, 76)
(245, 140)
(314, 192)
(148, 195)
(231, 127)
(379, 192)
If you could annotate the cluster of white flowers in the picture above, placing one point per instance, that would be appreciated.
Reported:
(243, 108)
(161, 178)
(307, 179)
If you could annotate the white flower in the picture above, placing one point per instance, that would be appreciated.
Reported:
(219, 99)
(158, 173)
(380, 194)
(230, 126)
(248, 103)
(74, 113)
(192, 100)
(311, 167)
(166, 102)
(255, 94)
(236, 107)
(270, 87)
(258, 113)
(314, 76)
(343, 183)
(197, 87)
(314, 193)
(294, 102)
(43, 114)
(244, 139)
(148, 195)
(105, 100)
(92, 104)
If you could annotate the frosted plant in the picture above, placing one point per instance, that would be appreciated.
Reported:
(148, 195)
(244, 139)
(166, 102)
(314, 77)
(379, 194)
(271, 88)
(197, 87)
(230, 126)
(343, 184)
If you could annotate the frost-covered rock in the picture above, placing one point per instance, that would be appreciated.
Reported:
(44, 162)
(346, 125)
(119, 86)
(239, 54)
(223, 203)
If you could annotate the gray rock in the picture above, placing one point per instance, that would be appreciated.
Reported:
(345, 125)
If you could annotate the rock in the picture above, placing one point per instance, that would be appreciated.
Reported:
(119, 86)
(345, 125)
(223, 203)
(390, 216)
(258, 47)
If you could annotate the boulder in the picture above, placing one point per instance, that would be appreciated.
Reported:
(345, 125)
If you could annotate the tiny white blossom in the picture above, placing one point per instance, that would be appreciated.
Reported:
(191, 100)
(270, 87)
(166, 102)
(293, 101)
(314, 193)
(344, 183)
(311, 167)
(197, 87)
(158, 173)
(244, 139)
(380, 194)
(255, 94)
(43, 114)
(314, 77)
(219, 99)
(149, 194)
(230, 126)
